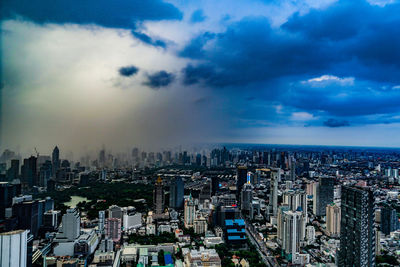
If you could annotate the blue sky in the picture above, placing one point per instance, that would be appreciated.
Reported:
(161, 73)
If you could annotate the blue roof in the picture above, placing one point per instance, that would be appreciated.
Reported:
(168, 259)
(236, 237)
(232, 222)
(236, 231)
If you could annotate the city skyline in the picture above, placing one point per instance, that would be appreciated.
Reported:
(273, 72)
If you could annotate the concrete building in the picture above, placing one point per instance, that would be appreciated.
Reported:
(357, 231)
(323, 195)
(13, 248)
(333, 220)
(202, 257)
(189, 212)
(113, 229)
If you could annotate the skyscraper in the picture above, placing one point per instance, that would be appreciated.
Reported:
(323, 195)
(14, 248)
(55, 160)
(13, 171)
(189, 212)
(293, 232)
(71, 224)
(246, 198)
(102, 218)
(113, 229)
(29, 171)
(159, 198)
(241, 178)
(176, 192)
(205, 193)
(333, 220)
(389, 220)
(273, 195)
(357, 233)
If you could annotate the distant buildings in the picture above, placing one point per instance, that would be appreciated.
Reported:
(357, 233)
(241, 178)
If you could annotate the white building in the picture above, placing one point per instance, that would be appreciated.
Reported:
(132, 221)
(13, 248)
(189, 212)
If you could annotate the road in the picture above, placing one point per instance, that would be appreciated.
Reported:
(260, 245)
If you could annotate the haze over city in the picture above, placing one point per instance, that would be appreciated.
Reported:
(158, 74)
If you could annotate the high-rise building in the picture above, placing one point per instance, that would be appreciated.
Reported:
(113, 229)
(115, 212)
(14, 248)
(71, 225)
(13, 171)
(273, 195)
(293, 233)
(45, 173)
(389, 220)
(29, 171)
(241, 178)
(214, 185)
(102, 219)
(200, 225)
(158, 197)
(357, 232)
(333, 220)
(246, 198)
(55, 160)
(7, 192)
(205, 193)
(27, 214)
(176, 192)
(323, 195)
(189, 212)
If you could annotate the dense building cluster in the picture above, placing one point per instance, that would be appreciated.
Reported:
(229, 206)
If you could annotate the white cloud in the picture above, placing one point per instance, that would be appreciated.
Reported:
(302, 116)
(325, 80)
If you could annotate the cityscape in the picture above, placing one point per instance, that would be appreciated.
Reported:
(191, 133)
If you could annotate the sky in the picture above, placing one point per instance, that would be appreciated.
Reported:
(157, 74)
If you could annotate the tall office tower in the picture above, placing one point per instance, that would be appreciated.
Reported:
(13, 171)
(102, 219)
(241, 178)
(214, 185)
(279, 222)
(27, 214)
(189, 212)
(323, 195)
(176, 192)
(389, 220)
(292, 169)
(246, 198)
(113, 229)
(205, 193)
(293, 231)
(14, 248)
(357, 232)
(158, 196)
(29, 171)
(135, 154)
(71, 224)
(55, 161)
(45, 173)
(273, 195)
(333, 220)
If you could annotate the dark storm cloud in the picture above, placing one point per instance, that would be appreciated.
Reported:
(198, 16)
(346, 39)
(148, 40)
(159, 79)
(334, 123)
(128, 71)
(113, 14)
